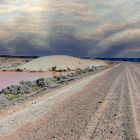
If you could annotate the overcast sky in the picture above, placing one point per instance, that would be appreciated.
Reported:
(93, 28)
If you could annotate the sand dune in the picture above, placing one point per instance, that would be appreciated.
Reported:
(61, 62)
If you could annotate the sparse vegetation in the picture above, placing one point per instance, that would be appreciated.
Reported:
(68, 69)
(32, 71)
(53, 68)
(11, 96)
(60, 70)
(26, 87)
(19, 70)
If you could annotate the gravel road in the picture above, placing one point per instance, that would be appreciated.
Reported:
(104, 106)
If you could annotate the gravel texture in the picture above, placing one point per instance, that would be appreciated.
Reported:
(104, 106)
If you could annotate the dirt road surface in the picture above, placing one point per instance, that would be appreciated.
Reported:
(103, 106)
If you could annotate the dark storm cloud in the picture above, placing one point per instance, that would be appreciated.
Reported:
(84, 28)
(122, 49)
(70, 45)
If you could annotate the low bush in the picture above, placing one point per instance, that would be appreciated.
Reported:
(19, 70)
(53, 68)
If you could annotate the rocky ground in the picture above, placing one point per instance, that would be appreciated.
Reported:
(103, 106)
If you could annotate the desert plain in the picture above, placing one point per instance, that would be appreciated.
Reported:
(68, 98)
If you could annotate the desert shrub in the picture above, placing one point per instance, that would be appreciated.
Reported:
(72, 74)
(40, 82)
(94, 68)
(56, 78)
(78, 71)
(27, 61)
(45, 82)
(19, 70)
(60, 70)
(10, 96)
(32, 71)
(22, 88)
(28, 83)
(13, 89)
(53, 68)
(59, 78)
(68, 69)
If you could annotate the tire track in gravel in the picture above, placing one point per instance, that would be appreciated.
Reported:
(92, 126)
(116, 122)
(68, 119)
(134, 90)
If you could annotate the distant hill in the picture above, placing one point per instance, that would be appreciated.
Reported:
(61, 62)
(121, 59)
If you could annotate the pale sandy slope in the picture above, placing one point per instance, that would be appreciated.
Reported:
(61, 62)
